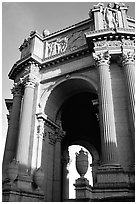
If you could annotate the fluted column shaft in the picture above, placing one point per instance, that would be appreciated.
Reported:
(128, 63)
(25, 122)
(13, 127)
(108, 131)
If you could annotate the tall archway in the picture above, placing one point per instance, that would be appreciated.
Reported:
(71, 103)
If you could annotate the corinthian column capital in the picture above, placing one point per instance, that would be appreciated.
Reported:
(30, 80)
(102, 58)
(60, 134)
(17, 90)
(128, 58)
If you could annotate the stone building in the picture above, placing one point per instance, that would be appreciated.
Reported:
(74, 86)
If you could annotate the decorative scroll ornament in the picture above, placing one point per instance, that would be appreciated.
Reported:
(101, 58)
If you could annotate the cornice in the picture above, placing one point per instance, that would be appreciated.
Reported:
(48, 62)
(48, 122)
(131, 18)
(109, 39)
(109, 32)
(20, 64)
(65, 57)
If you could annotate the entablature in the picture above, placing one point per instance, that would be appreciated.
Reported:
(112, 40)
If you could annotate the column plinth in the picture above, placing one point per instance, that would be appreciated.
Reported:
(128, 64)
(107, 121)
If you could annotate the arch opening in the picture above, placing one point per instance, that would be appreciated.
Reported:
(71, 104)
(62, 91)
(73, 174)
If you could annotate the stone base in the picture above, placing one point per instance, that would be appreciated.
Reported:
(21, 190)
(114, 182)
(83, 189)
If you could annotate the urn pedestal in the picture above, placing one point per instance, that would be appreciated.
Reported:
(82, 187)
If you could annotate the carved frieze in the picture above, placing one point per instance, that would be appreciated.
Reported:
(56, 47)
(67, 43)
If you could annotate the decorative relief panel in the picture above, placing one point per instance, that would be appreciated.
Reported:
(66, 43)
(56, 47)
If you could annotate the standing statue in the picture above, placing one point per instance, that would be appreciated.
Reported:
(109, 18)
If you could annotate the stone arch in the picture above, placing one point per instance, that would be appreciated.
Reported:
(56, 94)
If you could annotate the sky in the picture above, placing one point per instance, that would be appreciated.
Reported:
(20, 18)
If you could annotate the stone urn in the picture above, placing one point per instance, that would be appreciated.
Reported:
(13, 169)
(82, 162)
(38, 177)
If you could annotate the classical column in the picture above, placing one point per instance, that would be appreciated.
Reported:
(107, 121)
(57, 166)
(13, 127)
(65, 184)
(25, 121)
(128, 62)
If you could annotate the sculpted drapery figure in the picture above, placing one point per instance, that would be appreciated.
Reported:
(109, 17)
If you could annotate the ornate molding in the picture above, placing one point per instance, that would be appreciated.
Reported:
(17, 90)
(30, 80)
(60, 134)
(127, 43)
(52, 138)
(128, 58)
(40, 129)
(102, 58)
